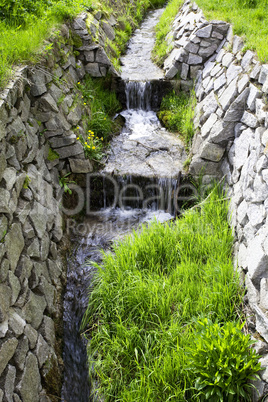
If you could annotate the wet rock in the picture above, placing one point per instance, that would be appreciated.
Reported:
(47, 329)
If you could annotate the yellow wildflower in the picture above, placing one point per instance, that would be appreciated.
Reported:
(78, 83)
(77, 138)
(84, 103)
(93, 147)
(102, 138)
(104, 118)
(85, 143)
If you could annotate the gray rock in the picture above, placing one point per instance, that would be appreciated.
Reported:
(261, 322)
(194, 59)
(208, 168)
(38, 216)
(247, 59)
(256, 71)
(227, 59)
(3, 164)
(3, 328)
(70, 151)
(210, 105)
(184, 71)
(3, 226)
(47, 329)
(90, 56)
(263, 74)
(16, 323)
(220, 82)
(208, 51)
(264, 294)
(30, 384)
(242, 213)
(59, 142)
(49, 292)
(242, 83)
(212, 152)
(93, 69)
(228, 95)
(28, 230)
(48, 103)
(45, 244)
(75, 115)
(257, 262)
(171, 72)
(204, 32)
(34, 309)
(109, 31)
(15, 287)
(58, 121)
(209, 65)
(24, 268)
(10, 383)
(55, 92)
(242, 148)
(38, 80)
(254, 93)
(34, 249)
(232, 72)
(260, 189)
(43, 351)
(220, 133)
(208, 125)
(14, 243)
(4, 201)
(55, 271)
(9, 175)
(7, 351)
(238, 44)
(256, 214)
(31, 334)
(249, 119)
(191, 47)
(80, 165)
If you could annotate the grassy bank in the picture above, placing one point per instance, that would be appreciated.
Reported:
(159, 302)
(24, 25)
(249, 19)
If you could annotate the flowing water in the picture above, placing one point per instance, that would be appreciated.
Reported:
(143, 170)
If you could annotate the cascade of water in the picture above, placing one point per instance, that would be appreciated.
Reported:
(138, 95)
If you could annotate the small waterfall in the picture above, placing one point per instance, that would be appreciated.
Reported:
(138, 95)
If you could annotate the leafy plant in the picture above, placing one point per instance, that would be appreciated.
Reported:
(52, 155)
(92, 146)
(223, 361)
(64, 182)
(26, 182)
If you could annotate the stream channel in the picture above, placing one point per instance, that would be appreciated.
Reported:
(143, 171)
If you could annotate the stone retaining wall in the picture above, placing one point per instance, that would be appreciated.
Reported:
(231, 121)
(41, 113)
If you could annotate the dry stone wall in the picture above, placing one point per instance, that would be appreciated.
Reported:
(231, 140)
(41, 113)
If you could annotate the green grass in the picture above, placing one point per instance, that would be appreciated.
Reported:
(25, 24)
(161, 47)
(248, 17)
(147, 297)
(96, 93)
(177, 113)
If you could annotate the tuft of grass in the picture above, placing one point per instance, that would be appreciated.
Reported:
(177, 114)
(147, 298)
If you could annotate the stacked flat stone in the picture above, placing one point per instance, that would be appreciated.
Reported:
(41, 108)
(193, 40)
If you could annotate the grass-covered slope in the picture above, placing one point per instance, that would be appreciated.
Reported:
(25, 24)
(146, 343)
(249, 19)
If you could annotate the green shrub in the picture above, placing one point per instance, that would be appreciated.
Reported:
(223, 361)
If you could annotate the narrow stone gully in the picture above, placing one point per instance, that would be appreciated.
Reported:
(138, 183)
